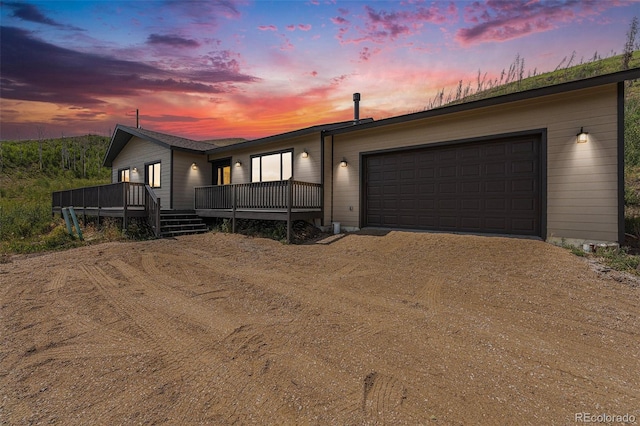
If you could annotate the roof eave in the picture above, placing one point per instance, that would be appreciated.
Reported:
(601, 80)
(283, 136)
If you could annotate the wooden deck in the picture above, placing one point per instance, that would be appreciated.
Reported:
(122, 199)
(286, 200)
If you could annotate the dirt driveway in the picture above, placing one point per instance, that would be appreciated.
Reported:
(403, 328)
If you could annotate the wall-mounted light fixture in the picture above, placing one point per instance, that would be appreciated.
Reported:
(343, 163)
(135, 170)
(194, 166)
(582, 136)
(305, 154)
(238, 163)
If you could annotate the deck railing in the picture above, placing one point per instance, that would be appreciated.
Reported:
(116, 196)
(276, 195)
(152, 203)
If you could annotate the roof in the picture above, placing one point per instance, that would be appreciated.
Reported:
(225, 142)
(123, 134)
(600, 80)
(288, 135)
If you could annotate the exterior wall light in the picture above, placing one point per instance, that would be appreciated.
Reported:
(305, 154)
(194, 166)
(238, 163)
(582, 137)
(343, 163)
(135, 170)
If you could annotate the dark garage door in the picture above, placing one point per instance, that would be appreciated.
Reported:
(487, 187)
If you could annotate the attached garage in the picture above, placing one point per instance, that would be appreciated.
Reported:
(493, 185)
(513, 164)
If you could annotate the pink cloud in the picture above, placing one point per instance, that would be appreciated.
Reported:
(496, 20)
(291, 27)
(339, 20)
(268, 28)
(304, 27)
(380, 26)
(286, 43)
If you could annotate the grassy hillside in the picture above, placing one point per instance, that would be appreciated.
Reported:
(516, 79)
(30, 171)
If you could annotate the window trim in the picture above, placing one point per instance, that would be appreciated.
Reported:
(265, 154)
(146, 174)
(128, 170)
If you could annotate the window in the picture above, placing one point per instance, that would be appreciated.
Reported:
(123, 175)
(269, 167)
(152, 176)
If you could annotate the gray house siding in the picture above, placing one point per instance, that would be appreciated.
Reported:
(186, 178)
(135, 155)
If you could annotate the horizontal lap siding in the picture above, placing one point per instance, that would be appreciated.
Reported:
(304, 169)
(185, 179)
(139, 152)
(581, 178)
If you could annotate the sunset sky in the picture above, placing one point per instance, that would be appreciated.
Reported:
(224, 68)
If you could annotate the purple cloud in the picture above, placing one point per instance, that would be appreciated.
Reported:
(381, 26)
(339, 20)
(29, 12)
(172, 40)
(268, 28)
(499, 20)
(79, 78)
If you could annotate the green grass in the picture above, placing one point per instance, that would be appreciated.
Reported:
(619, 259)
(516, 79)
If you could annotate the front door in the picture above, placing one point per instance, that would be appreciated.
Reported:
(221, 172)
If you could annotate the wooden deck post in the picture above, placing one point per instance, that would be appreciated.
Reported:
(289, 204)
(99, 206)
(233, 210)
(124, 206)
(157, 219)
(84, 208)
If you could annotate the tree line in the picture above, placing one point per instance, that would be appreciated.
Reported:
(79, 157)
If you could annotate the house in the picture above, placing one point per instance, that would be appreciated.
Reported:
(171, 165)
(545, 163)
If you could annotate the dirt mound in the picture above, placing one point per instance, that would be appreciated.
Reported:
(395, 328)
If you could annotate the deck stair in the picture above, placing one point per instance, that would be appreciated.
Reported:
(180, 222)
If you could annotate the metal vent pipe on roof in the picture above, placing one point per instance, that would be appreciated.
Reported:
(356, 108)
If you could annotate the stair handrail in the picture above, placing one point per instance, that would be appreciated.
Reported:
(152, 206)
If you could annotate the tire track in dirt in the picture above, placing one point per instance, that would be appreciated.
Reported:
(430, 293)
(58, 281)
(382, 397)
(189, 281)
(160, 334)
(358, 331)
(269, 363)
(75, 325)
(249, 350)
(189, 309)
